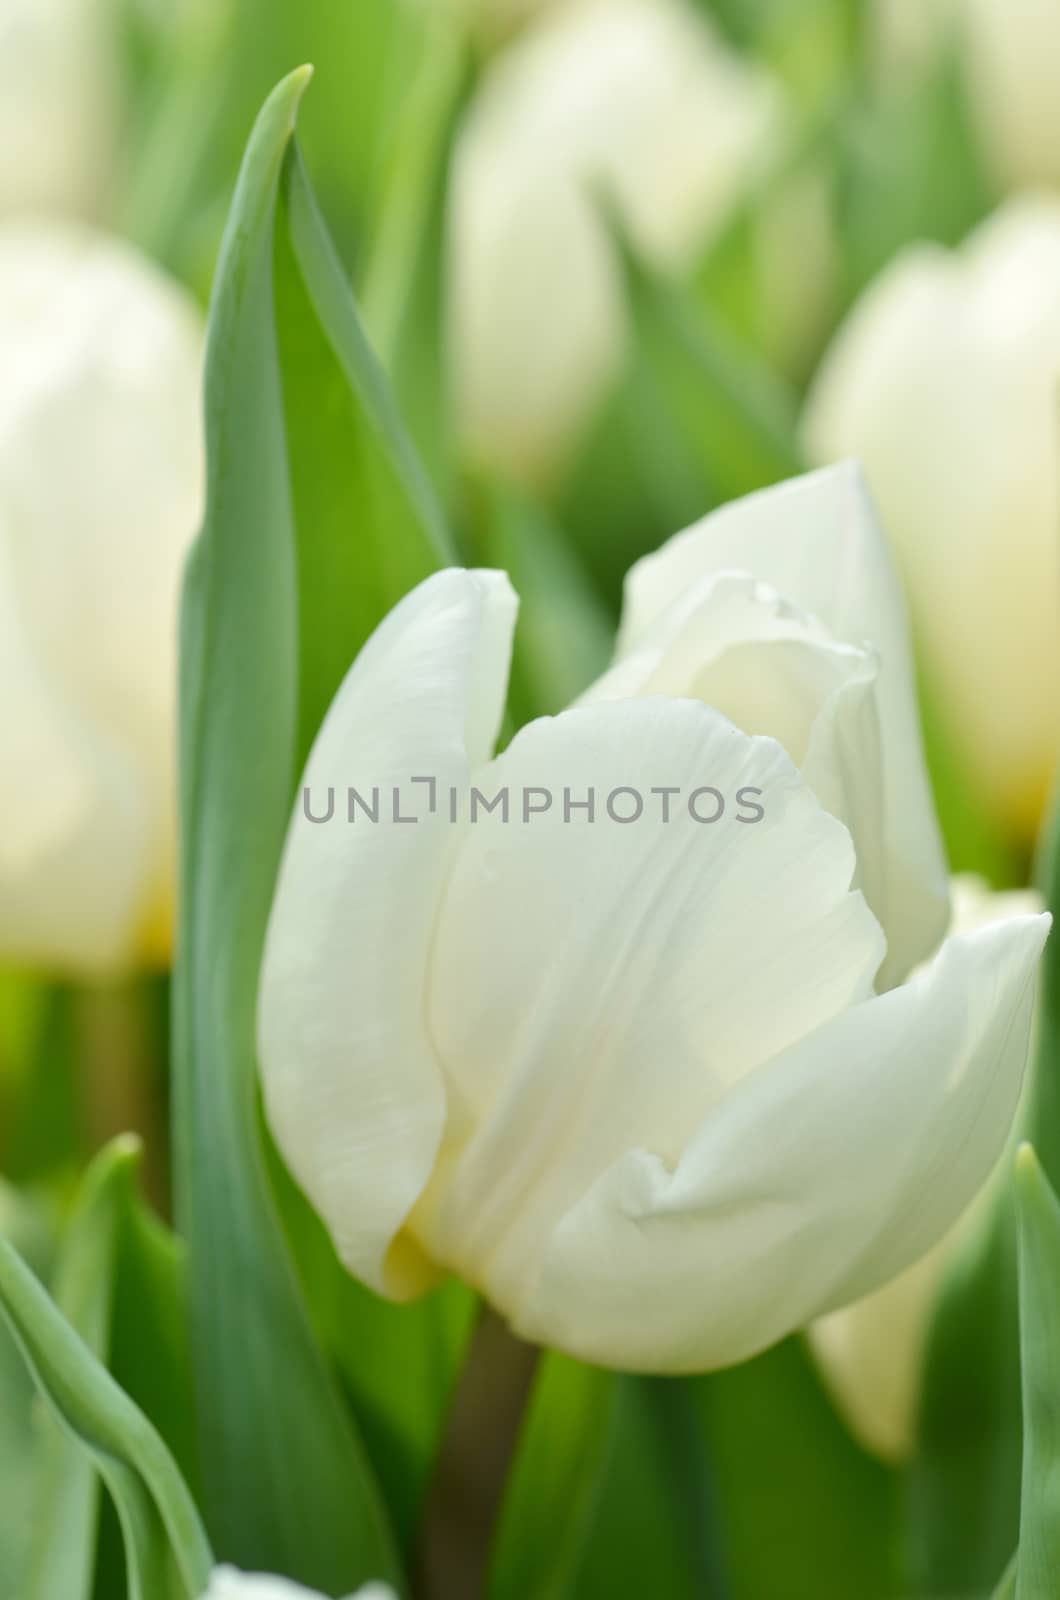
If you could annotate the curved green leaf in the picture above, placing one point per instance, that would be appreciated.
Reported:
(1038, 1560)
(319, 518)
(694, 421)
(167, 1551)
(66, 1491)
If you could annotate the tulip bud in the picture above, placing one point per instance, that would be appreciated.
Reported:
(633, 103)
(943, 382)
(56, 89)
(228, 1584)
(871, 1354)
(101, 484)
(618, 1052)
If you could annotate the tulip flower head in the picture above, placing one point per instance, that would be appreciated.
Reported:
(101, 476)
(943, 382)
(635, 102)
(55, 95)
(624, 1056)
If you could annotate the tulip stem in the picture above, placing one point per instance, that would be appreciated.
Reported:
(473, 1465)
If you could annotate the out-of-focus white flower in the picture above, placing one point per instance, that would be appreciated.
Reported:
(101, 483)
(944, 382)
(633, 100)
(904, 33)
(632, 1079)
(495, 17)
(56, 93)
(1010, 50)
(871, 1354)
(1014, 59)
(228, 1584)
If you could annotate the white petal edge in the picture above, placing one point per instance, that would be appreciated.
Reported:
(353, 1092)
(824, 1175)
(817, 539)
(227, 1583)
(740, 646)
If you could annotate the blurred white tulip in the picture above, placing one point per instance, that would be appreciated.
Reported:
(57, 82)
(904, 33)
(228, 1584)
(871, 1354)
(944, 382)
(1014, 60)
(632, 101)
(1010, 50)
(634, 1082)
(101, 485)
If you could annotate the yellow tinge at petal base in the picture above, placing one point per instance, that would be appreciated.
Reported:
(101, 475)
(627, 1067)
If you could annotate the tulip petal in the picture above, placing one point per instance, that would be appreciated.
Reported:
(817, 540)
(823, 1175)
(353, 1090)
(598, 983)
(740, 646)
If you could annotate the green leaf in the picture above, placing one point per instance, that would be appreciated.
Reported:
(910, 170)
(1038, 1560)
(318, 519)
(652, 1531)
(66, 1491)
(42, 1132)
(117, 1284)
(564, 636)
(167, 1552)
(1006, 1589)
(215, 62)
(552, 1493)
(398, 1363)
(405, 294)
(365, 524)
(696, 421)
(29, 1228)
(799, 1522)
(964, 1481)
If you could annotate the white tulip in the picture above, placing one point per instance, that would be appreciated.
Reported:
(633, 100)
(101, 482)
(56, 90)
(1014, 58)
(1010, 51)
(871, 1354)
(228, 1584)
(634, 1082)
(944, 382)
